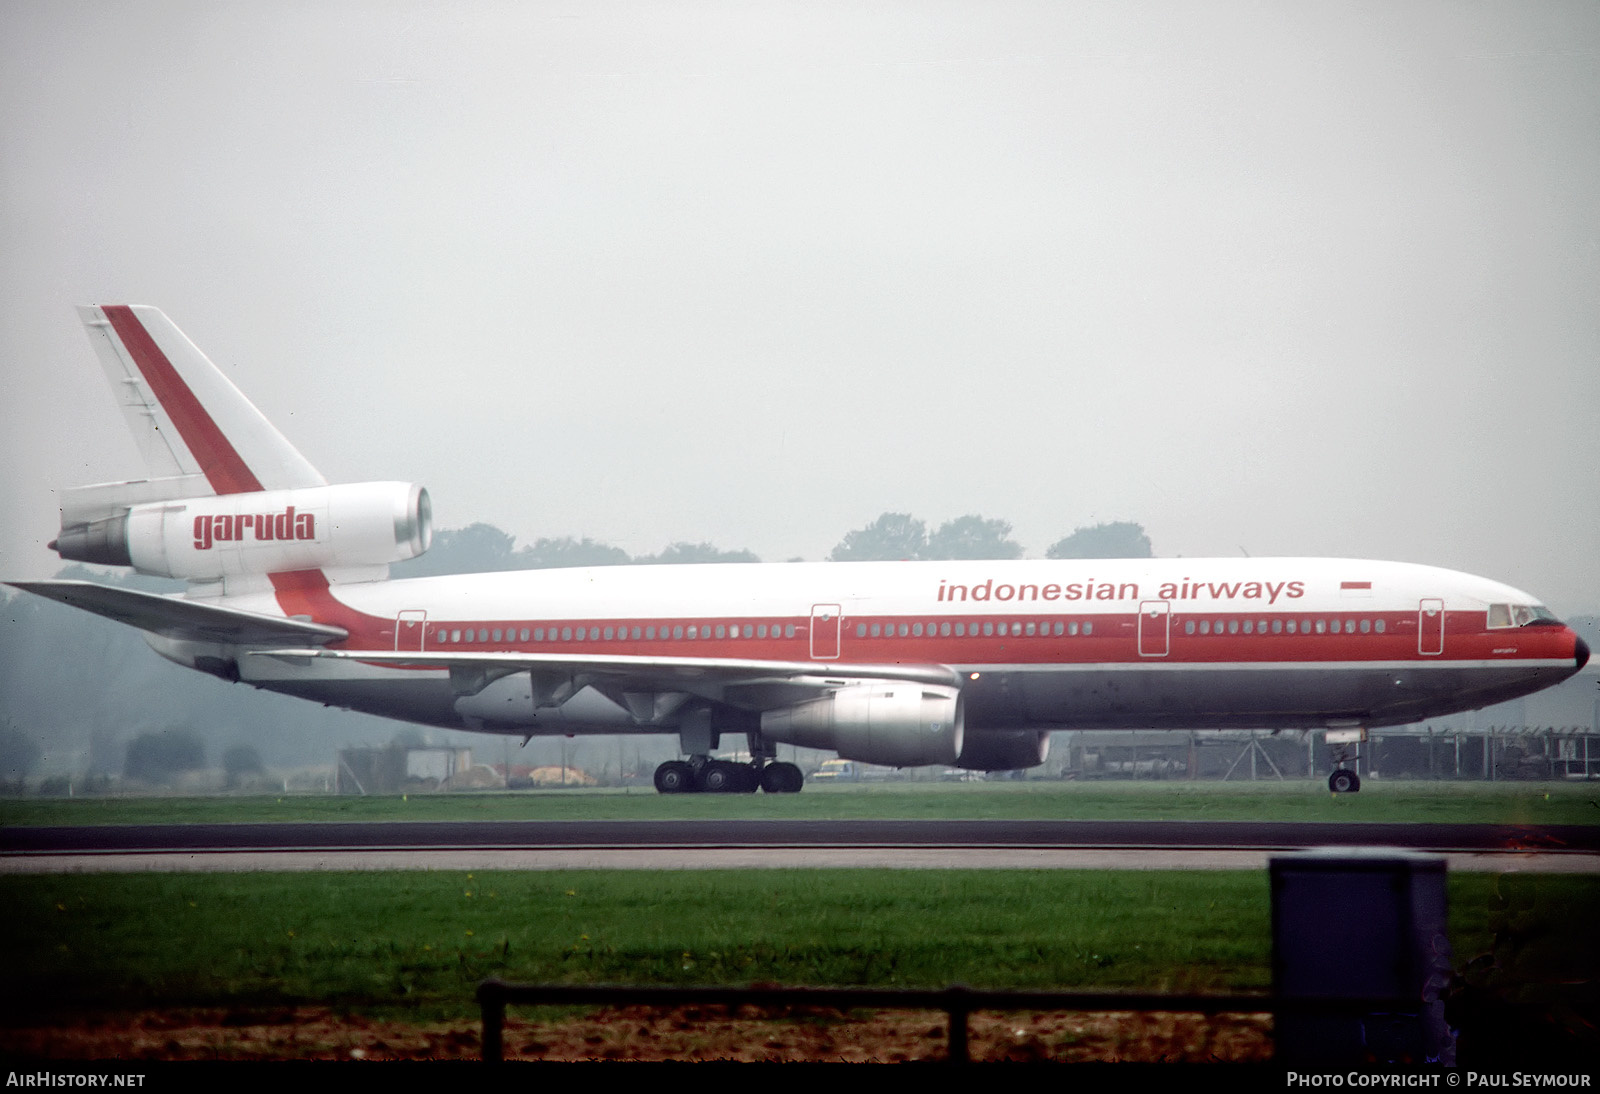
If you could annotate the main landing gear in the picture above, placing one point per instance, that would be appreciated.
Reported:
(725, 777)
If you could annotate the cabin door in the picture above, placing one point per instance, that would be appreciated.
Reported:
(1430, 627)
(824, 631)
(409, 628)
(1155, 627)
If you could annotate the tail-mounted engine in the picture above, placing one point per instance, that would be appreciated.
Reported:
(897, 724)
(217, 536)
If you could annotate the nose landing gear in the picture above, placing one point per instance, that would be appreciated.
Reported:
(1344, 781)
(1345, 746)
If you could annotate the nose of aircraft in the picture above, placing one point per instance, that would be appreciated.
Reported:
(1580, 653)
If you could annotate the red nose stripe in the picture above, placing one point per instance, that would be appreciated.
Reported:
(224, 468)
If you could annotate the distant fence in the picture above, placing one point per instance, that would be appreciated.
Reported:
(957, 1002)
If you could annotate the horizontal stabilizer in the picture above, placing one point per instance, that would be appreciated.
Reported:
(175, 617)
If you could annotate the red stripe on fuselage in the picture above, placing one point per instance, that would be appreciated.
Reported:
(224, 468)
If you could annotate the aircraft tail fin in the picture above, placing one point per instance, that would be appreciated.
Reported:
(187, 418)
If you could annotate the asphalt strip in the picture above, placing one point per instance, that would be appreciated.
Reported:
(734, 858)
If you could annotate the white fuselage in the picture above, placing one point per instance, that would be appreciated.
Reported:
(1176, 643)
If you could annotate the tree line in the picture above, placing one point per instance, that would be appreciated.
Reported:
(483, 548)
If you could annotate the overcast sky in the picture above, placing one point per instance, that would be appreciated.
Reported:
(1297, 279)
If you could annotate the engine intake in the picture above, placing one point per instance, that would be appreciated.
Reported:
(897, 724)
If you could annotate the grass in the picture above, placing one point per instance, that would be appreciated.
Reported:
(415, 944)
(1386, 802)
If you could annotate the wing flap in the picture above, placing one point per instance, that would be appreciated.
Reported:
(175, 617)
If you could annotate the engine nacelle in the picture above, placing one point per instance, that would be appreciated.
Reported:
(897, 724)
(272, 531)
(1005, 750)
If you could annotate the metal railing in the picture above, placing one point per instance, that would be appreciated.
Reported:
(957, 1001)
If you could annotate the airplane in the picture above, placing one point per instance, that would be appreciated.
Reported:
(968, 664)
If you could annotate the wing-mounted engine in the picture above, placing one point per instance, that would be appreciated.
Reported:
(897, 724)
(1005, 750)
(147, 526)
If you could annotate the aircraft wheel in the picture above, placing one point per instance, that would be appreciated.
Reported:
(675, 777)
(719, 777)
(1343, 781)
(782, 778)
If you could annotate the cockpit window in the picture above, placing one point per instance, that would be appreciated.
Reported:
(1519, 615)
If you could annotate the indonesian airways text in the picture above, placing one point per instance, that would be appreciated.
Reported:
(1004, 592)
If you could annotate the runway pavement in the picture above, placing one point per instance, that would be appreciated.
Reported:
(746, 844)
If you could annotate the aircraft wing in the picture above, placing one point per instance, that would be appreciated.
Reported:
(175, 617)
(733, 679)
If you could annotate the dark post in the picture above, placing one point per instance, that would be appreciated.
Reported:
(492, 1006)
(1361, 924)
(957, 1005)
